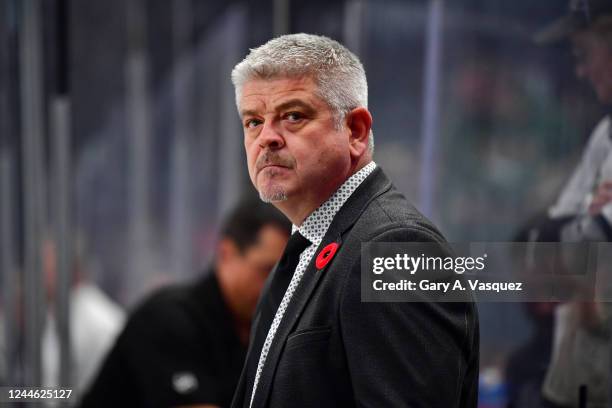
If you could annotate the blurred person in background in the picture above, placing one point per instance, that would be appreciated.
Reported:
(584, 209)
(583, 212)
(95, 320)
(185, 345)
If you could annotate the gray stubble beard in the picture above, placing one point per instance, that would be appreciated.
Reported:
(278, 194)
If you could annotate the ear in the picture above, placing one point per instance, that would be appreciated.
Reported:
(359, 122)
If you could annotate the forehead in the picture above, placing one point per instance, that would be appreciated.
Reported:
(267, 93)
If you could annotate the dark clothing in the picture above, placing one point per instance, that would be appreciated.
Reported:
(333, 350)
(179, 347)
(526, 367)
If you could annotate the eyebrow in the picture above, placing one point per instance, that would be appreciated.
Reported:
(292, 103)
(247, 113)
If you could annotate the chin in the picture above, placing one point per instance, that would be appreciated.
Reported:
(273, 194)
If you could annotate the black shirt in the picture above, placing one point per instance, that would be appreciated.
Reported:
(179, 347)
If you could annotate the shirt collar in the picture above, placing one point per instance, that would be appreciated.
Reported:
(317, 223)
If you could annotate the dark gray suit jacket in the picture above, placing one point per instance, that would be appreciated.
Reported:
(332, 350)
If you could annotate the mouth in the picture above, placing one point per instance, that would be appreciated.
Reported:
(273, 166)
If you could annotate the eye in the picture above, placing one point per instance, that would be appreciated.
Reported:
(251, 123)
(294, 116)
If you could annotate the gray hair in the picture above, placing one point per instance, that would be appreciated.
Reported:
(338, 73)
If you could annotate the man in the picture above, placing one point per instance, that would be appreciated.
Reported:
(185, 345)
(583, 212)
(302, 100)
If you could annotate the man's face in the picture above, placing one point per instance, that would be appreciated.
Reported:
(250, 269)
(594, 63)
(294, 150)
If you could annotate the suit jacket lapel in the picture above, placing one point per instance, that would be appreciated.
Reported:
(374, 185)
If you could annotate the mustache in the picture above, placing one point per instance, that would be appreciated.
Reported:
(272, 158)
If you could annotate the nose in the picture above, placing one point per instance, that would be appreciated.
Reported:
(270, 137)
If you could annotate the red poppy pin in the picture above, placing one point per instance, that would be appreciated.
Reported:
(326, 255)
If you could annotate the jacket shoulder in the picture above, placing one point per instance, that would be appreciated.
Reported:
(391, 216)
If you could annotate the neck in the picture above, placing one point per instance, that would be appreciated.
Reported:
(298, 209)
(241, 325)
